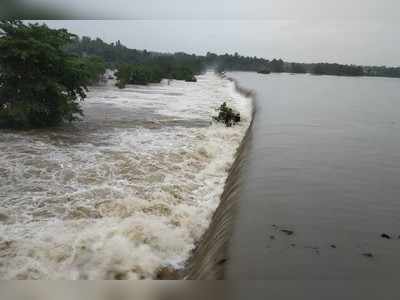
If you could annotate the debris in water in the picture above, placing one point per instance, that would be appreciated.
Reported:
(272, 237)
(222, 261)
(316, 249)
(368, 255)
(386, 236)
(288, 232)
(333, 246)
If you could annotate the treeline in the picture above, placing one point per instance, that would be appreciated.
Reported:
(113, 54)
(142, 66)
(139, 66)
(237, 62)
(343, 70)
(382, 72)
(149, 66)
(337, 70)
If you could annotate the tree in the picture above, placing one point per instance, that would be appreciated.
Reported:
(40, 85)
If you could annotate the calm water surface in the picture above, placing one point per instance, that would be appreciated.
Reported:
(324, 163)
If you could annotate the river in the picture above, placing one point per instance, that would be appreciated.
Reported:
(321, 181)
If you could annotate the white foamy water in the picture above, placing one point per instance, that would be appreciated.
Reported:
(127, 191)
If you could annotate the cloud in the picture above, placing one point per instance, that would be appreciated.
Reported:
(224, 9)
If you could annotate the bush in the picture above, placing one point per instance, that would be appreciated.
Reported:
(227, 115)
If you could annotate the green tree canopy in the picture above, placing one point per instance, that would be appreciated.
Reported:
(40, 85)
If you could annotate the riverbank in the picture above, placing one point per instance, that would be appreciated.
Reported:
(125, 194)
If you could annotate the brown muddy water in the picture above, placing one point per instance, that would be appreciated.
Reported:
(321, 182)
(125, 194)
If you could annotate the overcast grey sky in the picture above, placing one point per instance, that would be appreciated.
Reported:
(351, 31)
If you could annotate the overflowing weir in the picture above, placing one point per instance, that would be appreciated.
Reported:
(211, 255)
(127, 193)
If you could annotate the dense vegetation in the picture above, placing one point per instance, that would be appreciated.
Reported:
(95, 69)
(40, 84)
(139, 67)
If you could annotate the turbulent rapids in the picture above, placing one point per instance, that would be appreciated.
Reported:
(126, 192)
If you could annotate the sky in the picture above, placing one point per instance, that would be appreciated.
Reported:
(364, 32)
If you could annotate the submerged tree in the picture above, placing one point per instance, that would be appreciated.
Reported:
(40, 85)
(154, 72)
(227, 116)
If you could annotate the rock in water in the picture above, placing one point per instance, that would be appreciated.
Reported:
(386, 236)
(168, 273)
(368, 255)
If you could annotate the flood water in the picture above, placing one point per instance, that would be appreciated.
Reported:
(122, 194)
(323, 163)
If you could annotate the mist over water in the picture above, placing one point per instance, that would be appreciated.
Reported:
(324, 162)
(125, 192)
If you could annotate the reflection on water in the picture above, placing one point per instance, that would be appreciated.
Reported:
(324, 162)
(123, 193)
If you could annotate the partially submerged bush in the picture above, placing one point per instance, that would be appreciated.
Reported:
(145, 73)
(227, 115)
